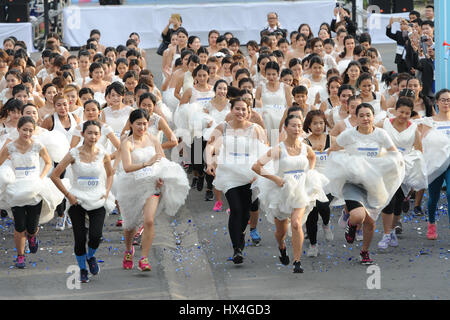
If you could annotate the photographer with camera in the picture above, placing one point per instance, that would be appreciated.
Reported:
(345, 19)
(400, 37)
(174, 20)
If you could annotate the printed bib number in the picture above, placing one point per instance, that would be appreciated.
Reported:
(143, 173)
(369, 152)
(321, 156)
(296, 174)
(26, 172)
(88, 182)
(277, 107)
(117, 134)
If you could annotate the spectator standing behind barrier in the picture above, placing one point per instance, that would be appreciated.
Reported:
(176, 21)
(274, 25)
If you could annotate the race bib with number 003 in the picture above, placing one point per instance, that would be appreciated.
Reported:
(369, 152)
(88, 182)
(26, 172)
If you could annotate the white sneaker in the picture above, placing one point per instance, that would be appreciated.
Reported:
(393, 240)
(329, 236)
(384, 243)
(359, 235)
(343, 219)
(59, 223)
(68, 222)
(313, 251)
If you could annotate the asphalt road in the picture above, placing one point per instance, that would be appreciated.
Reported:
(199, 268)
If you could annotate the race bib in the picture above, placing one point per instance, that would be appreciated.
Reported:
(369, 152)
(88, 182)
(400, 50)
(321, 156)
(402, 150)
(26, 172)
(444, 129)
(295, 173)
(117, 134)
(143, 173)
(277, 107)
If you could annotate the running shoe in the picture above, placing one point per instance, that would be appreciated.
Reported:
(350, 232)
(33, 244)
(194, 182)
(3, 213)
(200, 183)
(393, 242)
(209, 195)
(284, 258)
(115, 211)
(137, 237)
(432, 233)
(84, 276)
(313, 250)
(218, 206)
(93, 266)
(68, 222)
(144, 265)
(418, 211)
(398, 228)
(365, 258)
(343, 219)
(59, 224)
(128, 259)
(329, 236)
(256, 239)
(298, 267)
(20, 262)
(119, 222)
(359, 235)
(237, 256)
(384, 242)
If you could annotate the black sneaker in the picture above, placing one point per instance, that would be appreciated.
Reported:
(298, 267)
(284, 258)
(200, 182)
(209, 196)
(3, 213)
(33, 244)
(237, 256)
(350, 232)
(84, 276)
(418, 211)
(93, 266)
(194, 182)
(365, 259)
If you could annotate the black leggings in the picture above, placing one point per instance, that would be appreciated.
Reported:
(27, 218)
(96, 218)
(322, 208)
(240, 200)
(198, 161)
(62, 206)
(395, 205)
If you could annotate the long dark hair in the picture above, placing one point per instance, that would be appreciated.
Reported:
(137, 114)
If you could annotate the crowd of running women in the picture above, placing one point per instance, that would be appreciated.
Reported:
(297, 124)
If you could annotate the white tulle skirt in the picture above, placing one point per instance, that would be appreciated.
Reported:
(371, 181)
(272, 116)
(19, 193)
(436, 152)
(94, 200)
(132, 193)
(56, 144)
(416, 177)
(170, 100)
(299, 191)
